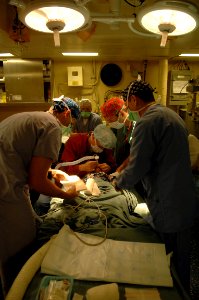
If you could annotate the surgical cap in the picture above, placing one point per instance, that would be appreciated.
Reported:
(105, 136)
(65, 102)
(139, 88)
(85, 102)
(112, 107)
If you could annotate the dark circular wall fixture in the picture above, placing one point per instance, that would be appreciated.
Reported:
(111, 74)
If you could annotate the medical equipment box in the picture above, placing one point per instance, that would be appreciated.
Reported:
(44, 294)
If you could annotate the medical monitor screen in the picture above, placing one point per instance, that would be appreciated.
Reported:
(179, 86)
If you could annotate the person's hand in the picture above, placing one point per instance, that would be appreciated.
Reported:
(59, 175)
(70, 191)
(103, 168)
(113, 176)
(123, 117)
(89, 166)
(123, 114)
(114, 184)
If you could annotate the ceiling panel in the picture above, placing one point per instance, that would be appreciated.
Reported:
(117, 44)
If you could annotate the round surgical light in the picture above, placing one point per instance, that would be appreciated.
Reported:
(67, 16)
(180, 15)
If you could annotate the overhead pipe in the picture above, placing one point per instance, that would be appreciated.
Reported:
(130, 24)
(115, 6)
(112, 19)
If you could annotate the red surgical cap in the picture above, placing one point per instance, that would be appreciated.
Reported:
(112, 107)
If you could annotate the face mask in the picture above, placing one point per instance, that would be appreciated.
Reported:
(85, 114)
(66, 130)
(96, 149)
(133, 116)
(116, 125)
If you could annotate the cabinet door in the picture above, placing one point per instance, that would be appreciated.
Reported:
(24, 80)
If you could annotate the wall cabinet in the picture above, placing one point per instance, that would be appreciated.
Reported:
(25, 81)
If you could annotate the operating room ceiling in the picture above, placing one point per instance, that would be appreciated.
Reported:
(115, 41)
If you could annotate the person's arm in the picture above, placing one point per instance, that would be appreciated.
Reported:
(88, 167)
(38, 180)
(119, 169)
(142, 153)
(123, 165)
(69, 154)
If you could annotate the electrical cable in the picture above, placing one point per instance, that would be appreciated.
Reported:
(108, 94)
(89, 200)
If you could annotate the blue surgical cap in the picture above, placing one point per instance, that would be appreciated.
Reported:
(105, 136)
(65, 102)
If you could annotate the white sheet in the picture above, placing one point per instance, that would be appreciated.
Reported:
(112, 261)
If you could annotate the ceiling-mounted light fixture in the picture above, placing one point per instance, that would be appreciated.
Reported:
(80, 53)
(6, 54)
(168, 18)
(190, 54)
(55, 16)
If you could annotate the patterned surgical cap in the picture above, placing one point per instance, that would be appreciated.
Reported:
(139, 88)
(65, 102)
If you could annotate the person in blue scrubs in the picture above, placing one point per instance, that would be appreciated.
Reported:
(159, 157)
